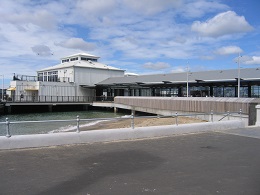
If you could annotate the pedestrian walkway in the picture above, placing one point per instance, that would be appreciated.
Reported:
(201, 163)
(253, 132)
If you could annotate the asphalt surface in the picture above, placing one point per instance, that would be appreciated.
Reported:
(203, 164)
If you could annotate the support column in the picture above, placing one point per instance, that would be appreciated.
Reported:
(249, 91)
(115, 109)
(85, 107)
(9, 109)
(133, 112)
(50, 108)
(211, 91)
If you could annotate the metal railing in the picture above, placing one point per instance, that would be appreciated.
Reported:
(132, 117)
(56, 99)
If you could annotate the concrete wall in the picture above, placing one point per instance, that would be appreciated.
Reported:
(31, 141)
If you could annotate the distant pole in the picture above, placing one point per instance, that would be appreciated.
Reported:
(2, 87)
(238, 76)
(187, 80)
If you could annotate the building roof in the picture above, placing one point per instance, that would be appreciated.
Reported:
(81, 63)
(194, 77)
(81, 54)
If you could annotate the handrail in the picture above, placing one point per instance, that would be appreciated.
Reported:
(132, 117)
(56, 99)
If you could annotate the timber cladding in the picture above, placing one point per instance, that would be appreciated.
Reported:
(190, 104)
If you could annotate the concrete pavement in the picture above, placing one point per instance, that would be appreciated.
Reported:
(202, 163)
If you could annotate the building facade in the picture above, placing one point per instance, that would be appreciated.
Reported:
(75, 76)
(216, 83)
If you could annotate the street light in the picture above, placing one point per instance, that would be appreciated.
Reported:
(188, 74)
(2, 86)
(238, 76)
(187, 81)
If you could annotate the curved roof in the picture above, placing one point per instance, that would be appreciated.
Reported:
(203, 76)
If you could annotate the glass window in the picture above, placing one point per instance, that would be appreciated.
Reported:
(255, 91)
(40, 76)
(218, 91)
(74, 59)
(66, 60)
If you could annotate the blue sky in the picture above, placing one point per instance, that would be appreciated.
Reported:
(139, 36)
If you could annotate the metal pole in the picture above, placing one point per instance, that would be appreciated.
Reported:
(8, 135)
(228, 113)
(240, 113)
(132, 121)
(78, 124)
(2, 87)
(187, 81)
(238, 77)
(176, 118)
(211, 115)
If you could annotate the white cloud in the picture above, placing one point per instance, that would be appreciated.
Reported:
(222, 24)
(42, 50)
(76, 43)
(151, 7)
(229, 50)
(121, 31)
(195, 9)
(179, 69)
(156, 66)
(254, 60)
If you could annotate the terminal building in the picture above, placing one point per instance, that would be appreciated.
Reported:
(81, 75)
(216, 83)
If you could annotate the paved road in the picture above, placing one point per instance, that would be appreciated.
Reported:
(203, 164)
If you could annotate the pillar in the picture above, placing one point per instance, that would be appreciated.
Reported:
(9, 109)
(85, 107)
(115, 109)
(50, 108)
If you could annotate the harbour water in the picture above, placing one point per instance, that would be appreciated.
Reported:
(52, 127)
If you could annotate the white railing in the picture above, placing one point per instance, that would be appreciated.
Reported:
(227, 115)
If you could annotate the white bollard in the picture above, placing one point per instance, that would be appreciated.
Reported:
(257, 123)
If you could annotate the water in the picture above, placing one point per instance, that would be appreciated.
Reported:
(51, 127)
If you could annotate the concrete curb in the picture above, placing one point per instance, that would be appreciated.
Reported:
(43, 140)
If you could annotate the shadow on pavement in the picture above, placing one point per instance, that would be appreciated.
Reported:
(106, 164)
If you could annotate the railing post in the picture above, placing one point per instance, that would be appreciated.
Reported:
(78, 124)
(240, 114)
(176, 118)
(7, 128)
(132, 121)
(211, 113)
(228, 114)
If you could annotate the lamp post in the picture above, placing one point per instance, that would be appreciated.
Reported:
(2, 86)
(187, 87)
(238, 76)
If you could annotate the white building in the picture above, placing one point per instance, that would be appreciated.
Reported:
(75, 77)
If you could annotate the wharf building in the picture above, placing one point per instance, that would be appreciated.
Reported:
(81, 75)
(75, 77)
(215, 83)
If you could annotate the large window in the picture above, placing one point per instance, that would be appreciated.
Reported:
(74, 59)
(86, 59)
(255, 91)
(53, 76)
(40, 76)
(229, 92)
(66, 60)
